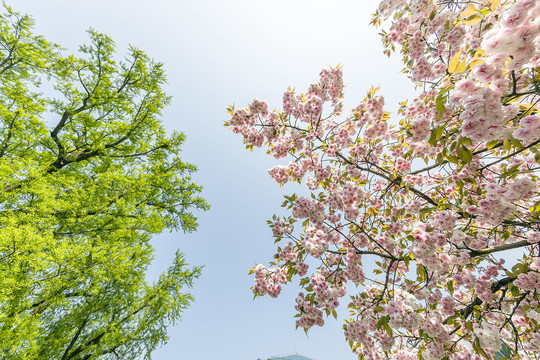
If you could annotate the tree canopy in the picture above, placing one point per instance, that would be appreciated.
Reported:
(87, 175)
(417, 215)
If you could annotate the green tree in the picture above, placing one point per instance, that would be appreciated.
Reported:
(86, 177)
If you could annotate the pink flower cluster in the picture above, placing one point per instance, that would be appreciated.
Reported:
(346, 199)
(402, 165)
(311, 209)
(483, 114)
(397, 30)
(387, 7)
(315, 242)
(359, 331)
(279, 173)
(326, 295)
(444, 220)
(281, 227)
(370, 111)
(517, 35)
(310, 315)
(529, 281)
(530, 129)
(290, 254)
(427, 243)
(497, 204)
(489, 336)
(268, 281)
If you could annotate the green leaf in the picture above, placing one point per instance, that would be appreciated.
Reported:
(421, 273)
(514, 290)
(519, 268)
(440, 159)
(464, 154)
(383, 320)
(407, 259)
(478, 349)
(450, 287)
(515, 142)
(388, 329)
(452, 158)
(491, 144)
(440, 106)
(465, 140)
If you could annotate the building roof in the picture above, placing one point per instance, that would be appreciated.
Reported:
(289, 357)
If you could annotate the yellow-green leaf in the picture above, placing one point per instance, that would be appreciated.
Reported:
(454, 62)
(473, 19)
(461, 67)
(536, 207)
(507, 144)
(440, 105)
(494, 4)
(464, 154)
(490, 145)
(469, 10)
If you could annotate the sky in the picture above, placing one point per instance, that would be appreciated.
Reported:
(216, 53)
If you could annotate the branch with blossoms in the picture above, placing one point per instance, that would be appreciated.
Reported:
(438, 235)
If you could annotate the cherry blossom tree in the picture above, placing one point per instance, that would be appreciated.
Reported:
(432, 200)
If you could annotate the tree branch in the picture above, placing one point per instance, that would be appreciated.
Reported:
(504, 247)
(72, 342)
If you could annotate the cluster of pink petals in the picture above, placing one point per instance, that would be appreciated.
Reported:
(483, 115)
(517, 35)
(268, 281)
(310, 314)
(530, 129)
(315, 243)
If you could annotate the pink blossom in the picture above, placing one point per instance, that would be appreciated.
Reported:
(530, 129)
(315, 242)
(279, 173)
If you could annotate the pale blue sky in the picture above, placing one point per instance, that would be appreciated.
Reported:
(217, 53)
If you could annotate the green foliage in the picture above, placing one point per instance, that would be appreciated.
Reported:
(86, 178)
